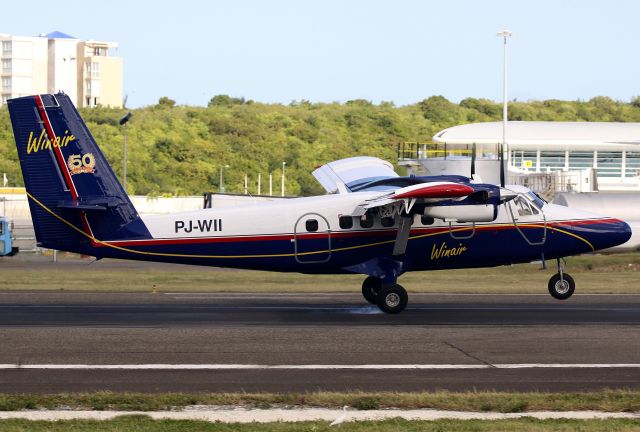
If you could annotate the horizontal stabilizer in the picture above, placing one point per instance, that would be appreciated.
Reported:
(83, 207)
(92, 204)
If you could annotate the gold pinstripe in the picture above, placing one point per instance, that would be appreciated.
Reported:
(174, 255)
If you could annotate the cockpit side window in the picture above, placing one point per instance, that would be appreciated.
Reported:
(524, 207)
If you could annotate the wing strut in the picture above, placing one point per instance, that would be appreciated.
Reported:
(402, 238)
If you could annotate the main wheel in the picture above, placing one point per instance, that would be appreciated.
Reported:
(392, 298)
(370, 289)
(563, 288)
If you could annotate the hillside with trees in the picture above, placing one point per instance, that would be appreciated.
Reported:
(179, 150)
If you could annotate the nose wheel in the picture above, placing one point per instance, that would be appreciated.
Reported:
(561, 284)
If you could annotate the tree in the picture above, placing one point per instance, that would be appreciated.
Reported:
(439, 110)
(164, 101)
(225, 100)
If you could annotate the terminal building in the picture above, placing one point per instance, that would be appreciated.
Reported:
(87, 71)
(548, 157)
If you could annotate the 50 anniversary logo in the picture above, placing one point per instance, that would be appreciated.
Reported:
(78, 164)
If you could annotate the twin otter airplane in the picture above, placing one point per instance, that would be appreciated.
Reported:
(372, 221)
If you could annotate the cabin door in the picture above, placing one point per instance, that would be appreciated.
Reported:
(312, 239)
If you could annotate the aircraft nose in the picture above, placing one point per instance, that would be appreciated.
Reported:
(617, 232)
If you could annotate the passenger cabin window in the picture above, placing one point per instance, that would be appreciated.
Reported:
(387, 222)
(346, 222)
(366, 221)
(426, 220)
(311, 225)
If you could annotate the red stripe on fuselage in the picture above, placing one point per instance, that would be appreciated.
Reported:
(346, 234)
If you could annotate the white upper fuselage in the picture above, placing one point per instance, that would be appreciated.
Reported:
(284, 217)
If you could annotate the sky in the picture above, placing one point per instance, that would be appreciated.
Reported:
(402, 51)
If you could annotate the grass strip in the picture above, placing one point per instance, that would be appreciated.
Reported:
(606, 400)
(593, 273)
(144, 424)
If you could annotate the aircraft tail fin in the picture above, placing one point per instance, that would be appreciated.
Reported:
(75, 198)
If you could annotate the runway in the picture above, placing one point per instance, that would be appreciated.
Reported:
(84, 341)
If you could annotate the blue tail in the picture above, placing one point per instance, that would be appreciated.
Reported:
(75, 198)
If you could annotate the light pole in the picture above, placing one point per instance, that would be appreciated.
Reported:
(123, 123)
(504, 34)
(283, 165)
(221, 183)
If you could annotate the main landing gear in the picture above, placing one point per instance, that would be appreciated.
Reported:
(561, 284)
(391, 298)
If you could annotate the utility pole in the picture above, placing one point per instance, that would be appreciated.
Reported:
(504, 147)
(123, 123)
(283, 165)
(221, 185)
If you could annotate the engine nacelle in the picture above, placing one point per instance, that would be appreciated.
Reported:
(463, 213)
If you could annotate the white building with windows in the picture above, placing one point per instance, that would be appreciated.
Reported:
(87, 71)
(549, 157)
(24, 63)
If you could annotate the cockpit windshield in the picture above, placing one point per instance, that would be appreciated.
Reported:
(536, 199)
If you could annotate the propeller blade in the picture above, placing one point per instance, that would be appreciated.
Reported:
(473, 160)
(501, 159)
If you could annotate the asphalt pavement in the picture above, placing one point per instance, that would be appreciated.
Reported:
(67, 341)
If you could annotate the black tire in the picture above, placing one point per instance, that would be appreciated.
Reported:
(561, 289)
(392, 299)
(370, 289)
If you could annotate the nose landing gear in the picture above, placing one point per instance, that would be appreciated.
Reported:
(561, 284)
(391, 298)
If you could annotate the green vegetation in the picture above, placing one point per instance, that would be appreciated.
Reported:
(179, 150)
(594, 274)
(144, 424)
(607, 400)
